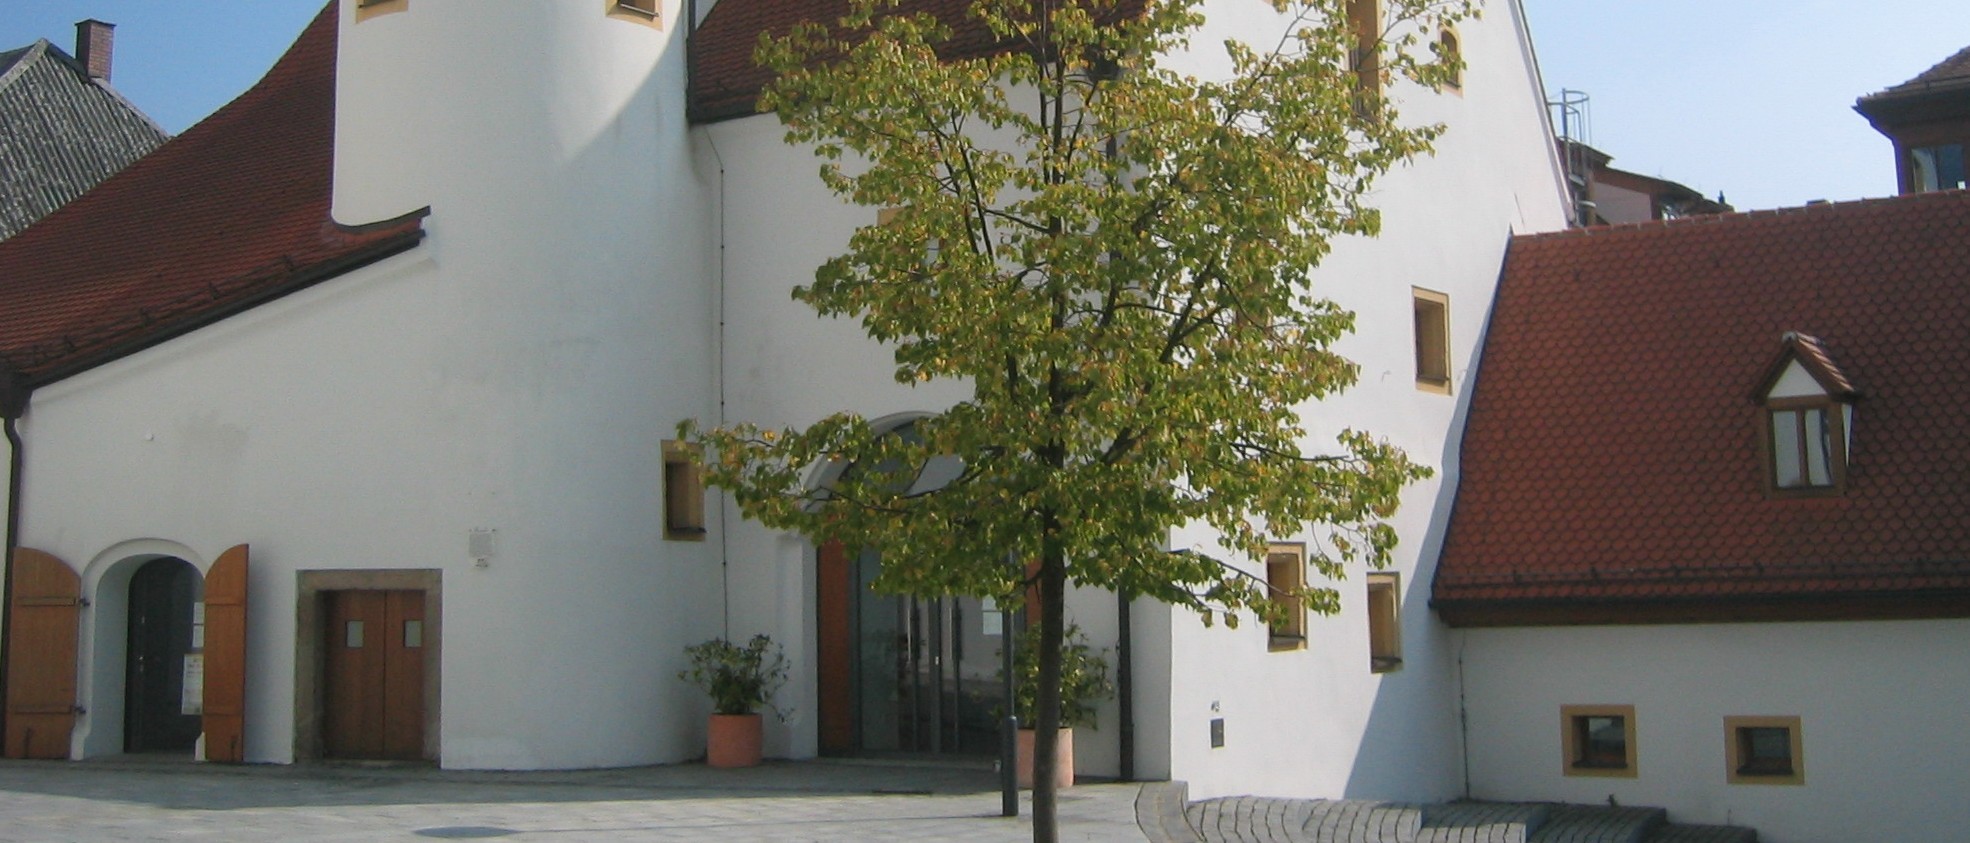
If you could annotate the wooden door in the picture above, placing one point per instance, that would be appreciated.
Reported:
(41, 656)
(374, 675)
(225, 657)
(836, 692)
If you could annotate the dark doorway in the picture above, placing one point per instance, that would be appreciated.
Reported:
(373, 675)
(157, 714)
(913, 675)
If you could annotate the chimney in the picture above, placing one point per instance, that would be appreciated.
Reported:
(94, 41)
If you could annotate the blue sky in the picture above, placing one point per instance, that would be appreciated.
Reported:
(1749, 97)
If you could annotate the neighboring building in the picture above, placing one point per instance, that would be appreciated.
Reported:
(1928, 118)
(63, 129)
(1709, 549)
(1603, 195)
(419, 345)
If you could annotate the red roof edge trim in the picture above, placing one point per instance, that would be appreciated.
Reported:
(1812, 354)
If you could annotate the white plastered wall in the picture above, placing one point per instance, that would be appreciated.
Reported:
(1880, 706)
(1314, 722)
(1318, 722)
(515, 372)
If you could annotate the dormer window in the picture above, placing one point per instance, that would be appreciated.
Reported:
(1808, 414)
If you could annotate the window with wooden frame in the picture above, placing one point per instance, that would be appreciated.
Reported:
(1764, 750)
(1365, 52)
(1432, 311)
(366, 9)
(1806, 419)
(1598, 740)
(1450, 49)
(637, 10)
(684, 492)
(1806, 441)
(1384, 622)
(1285, 577)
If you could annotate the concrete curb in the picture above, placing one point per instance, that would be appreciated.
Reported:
(1159, 813)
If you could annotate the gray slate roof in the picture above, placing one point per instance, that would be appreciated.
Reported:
(60, 133)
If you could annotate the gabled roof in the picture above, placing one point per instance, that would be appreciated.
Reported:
(1949, 72)
(1611, 468)
(230, 214)
(1940, 92)
(61, 133)
(1812, 354)
(725, 81)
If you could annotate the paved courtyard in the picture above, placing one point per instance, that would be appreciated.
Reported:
(135, 799)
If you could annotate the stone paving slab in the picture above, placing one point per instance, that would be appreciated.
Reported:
(91, 801)
(1248, 819)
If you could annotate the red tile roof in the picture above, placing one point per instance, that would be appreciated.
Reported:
(725, 81)
(1612, 453)
(1949, 72)
(232, 213)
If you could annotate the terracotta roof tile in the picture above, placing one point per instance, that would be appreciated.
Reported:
(1612, 449)
(231, 213)
(725, 81)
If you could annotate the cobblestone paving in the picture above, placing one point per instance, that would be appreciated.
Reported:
(1247, 819)
(91, 801)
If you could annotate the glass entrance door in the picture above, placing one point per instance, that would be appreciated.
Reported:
(927, 670)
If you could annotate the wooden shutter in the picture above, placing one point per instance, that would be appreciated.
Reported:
(225, 657)
(41, 656)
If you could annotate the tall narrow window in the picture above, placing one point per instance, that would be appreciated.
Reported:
(1432, 310)
(1285, 575)
(684, 493)
(1450, 50)
(1384, 622)
(1365, 52)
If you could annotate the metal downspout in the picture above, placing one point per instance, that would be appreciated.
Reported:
(13, 402)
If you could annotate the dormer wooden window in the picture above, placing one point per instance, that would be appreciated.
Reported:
(1808, 414)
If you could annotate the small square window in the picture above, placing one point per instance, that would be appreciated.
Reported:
(1285, 575)
(1598, 740)
(1384, 622)
(1432, 311)
(684, 493)
(1764, 750)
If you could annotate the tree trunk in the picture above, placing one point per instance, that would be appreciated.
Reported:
(1053, 588)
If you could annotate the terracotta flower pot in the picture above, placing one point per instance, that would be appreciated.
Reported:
(733, 740)
(1063, 763)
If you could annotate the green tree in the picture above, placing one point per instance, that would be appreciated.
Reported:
(1115, 257)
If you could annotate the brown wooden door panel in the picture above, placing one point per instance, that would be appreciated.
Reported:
(833, 585)
(225, 657)
(41, 656)
(373, 699)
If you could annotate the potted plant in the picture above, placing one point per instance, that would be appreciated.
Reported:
(741, 680)
(1083, 685)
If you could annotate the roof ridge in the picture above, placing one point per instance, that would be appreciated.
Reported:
(27, 54)
(1744, 217)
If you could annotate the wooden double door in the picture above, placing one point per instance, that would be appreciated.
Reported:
(373, 695)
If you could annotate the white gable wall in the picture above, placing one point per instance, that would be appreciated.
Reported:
(1878, 702)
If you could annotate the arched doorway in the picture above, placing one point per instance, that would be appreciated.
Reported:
(160, 656)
